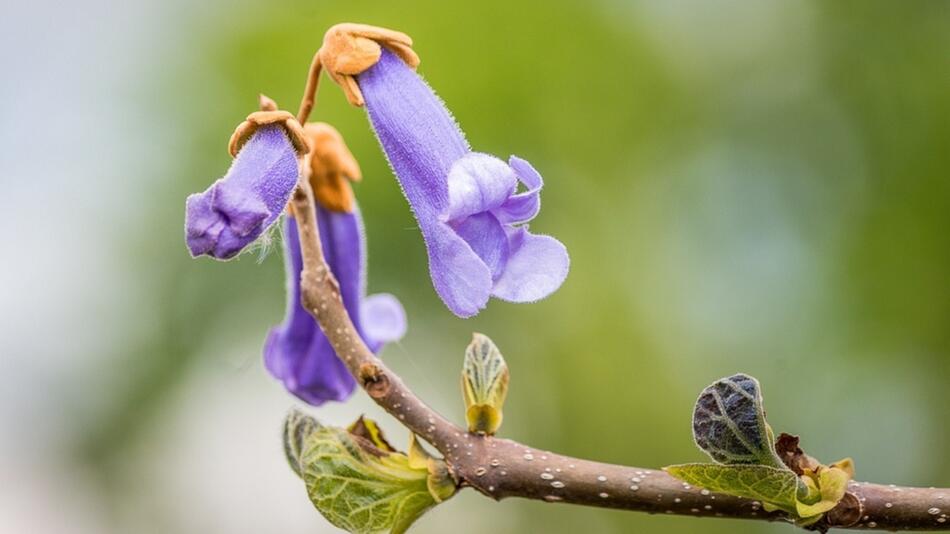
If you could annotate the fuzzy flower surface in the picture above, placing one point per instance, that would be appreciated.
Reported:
(471, 207)
(238, 208)
(297, 352)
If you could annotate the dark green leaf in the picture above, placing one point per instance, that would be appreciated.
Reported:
(729, 423)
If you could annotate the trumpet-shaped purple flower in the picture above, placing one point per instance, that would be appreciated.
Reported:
(297, 352)
(467, 204)
(237, 209)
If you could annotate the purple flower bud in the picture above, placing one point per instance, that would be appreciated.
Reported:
(467, 204)
(297, 352)
(237, 209)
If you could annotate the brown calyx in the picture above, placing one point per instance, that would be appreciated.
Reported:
(331, 166)
(269, 114)
(348, 50)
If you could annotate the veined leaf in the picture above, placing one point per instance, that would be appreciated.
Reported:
(359, 489)
(357, 481)
(484, 385)
(729, 423)
(778, 487)
(297, 427)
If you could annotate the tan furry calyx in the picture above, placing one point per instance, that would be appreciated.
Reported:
(269, 115)
(331, 166)
(348, 50)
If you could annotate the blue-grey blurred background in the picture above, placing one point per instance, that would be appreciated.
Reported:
(743, 186)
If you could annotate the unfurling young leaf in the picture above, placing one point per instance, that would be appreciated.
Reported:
(418, 456)
(440, 483)
(484, 385)
(359, 483)
(729, 423)
(779, 487)
(827, 485)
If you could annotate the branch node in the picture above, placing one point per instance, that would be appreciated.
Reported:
(374, 380)
(847, 513)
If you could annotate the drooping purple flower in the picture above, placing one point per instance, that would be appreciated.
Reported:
(467, 204)
(297, 352)
(237, 209)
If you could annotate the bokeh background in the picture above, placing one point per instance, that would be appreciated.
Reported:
(743, 186)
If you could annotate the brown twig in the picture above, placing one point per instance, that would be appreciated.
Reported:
(310, 91)
(502, 468)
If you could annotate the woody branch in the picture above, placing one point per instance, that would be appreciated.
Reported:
(500, 468)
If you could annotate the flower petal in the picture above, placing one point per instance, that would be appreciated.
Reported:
(524, 206)
(202, 224)
(244, 213)
(478, 183)
(344, 248)
(460, 277)
(383, 318)
(314, 373)
(295, 335)
(445, 183)
(419, 136)
(487, 238)
(238, 208)
(297, 352)
(537, 266)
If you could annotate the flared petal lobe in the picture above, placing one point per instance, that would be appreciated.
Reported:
(460, 277)
(466, 203)
(297, 352)
(537, 266)
(522, 207)
(232, 213)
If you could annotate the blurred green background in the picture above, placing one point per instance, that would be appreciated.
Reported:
(743, 186)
